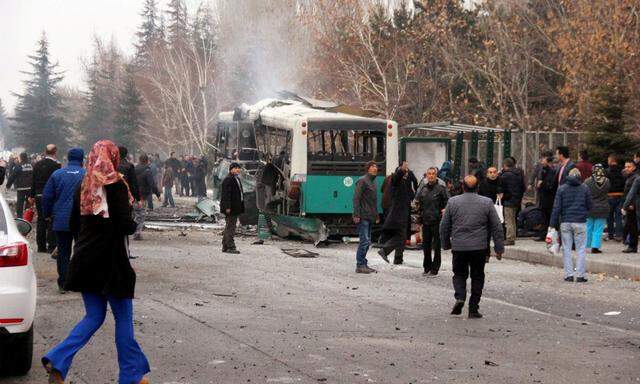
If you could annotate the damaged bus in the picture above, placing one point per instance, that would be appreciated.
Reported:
(306, 160)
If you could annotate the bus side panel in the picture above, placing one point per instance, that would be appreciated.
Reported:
(325, 194)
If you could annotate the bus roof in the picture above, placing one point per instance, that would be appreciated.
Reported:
(287, 114)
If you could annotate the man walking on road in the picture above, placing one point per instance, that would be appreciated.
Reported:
(468, 222)
(232, 206)
(513, 186)
(42, 170)
(365, 214)
(22, 177)
(570, 209)
(432, 200)
(57, 204)
(395, 224)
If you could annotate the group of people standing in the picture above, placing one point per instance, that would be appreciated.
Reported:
(578, 199)
(465, 223)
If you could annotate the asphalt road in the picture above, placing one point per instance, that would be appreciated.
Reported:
(265, 317)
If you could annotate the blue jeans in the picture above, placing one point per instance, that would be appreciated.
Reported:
(574, 233)
(149, 200)
(614, 221)
(168, 197)
(595, 228)
(364, 232)
(64, 240)
(132, 362)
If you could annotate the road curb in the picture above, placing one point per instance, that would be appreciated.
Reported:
(610, 268)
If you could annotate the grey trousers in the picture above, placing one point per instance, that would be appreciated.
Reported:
(231, 222)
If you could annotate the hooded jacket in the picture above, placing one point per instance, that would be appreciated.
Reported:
(58, 194)
(572, 203)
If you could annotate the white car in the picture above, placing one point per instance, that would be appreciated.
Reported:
(17, 294)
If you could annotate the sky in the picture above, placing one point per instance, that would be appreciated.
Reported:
(70, 25)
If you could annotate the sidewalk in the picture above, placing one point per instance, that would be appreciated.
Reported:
(611, 262)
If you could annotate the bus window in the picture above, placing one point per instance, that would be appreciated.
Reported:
(346, 149)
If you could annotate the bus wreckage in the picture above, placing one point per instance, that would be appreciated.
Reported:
(301, 159)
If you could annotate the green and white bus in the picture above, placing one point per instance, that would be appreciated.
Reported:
(309, 161)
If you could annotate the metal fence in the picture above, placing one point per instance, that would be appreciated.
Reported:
(526, 148)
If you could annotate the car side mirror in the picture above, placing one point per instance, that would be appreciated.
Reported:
(24, 227)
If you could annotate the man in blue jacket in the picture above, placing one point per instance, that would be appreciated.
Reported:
(57, 204)
(570, 209)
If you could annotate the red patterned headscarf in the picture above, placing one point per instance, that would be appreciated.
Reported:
(102, 169)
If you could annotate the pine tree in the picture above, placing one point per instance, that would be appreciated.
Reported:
(103, 83)
(128, 120)
(607, 132)
(148, 32)
(38, 114)
(178, 23)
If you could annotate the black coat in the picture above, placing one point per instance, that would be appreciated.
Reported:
(614, 174)
(513, 186)
(547, 190)
(42, 170)
(100, 261)
(398, 215)
(129, 172)
(490, 188)
(432, 199)
(146, 183)
(231, 196)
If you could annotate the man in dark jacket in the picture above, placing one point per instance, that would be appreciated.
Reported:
(129, 172)
(490, 185)
(546, 186)
(570, 209)
(232, 206)
(432, 200)
(22, 177)
(468, 222)
(395, 224)
(57, 204)
(42, 170)
(365, 214)
(630, 207)
(513, 185)
(147, 188)
(565, 165)
(616, 179)
(476, 169)
(175, 165)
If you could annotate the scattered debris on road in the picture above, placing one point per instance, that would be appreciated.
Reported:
(302, 253)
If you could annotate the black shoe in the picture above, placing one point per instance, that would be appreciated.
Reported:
(397, 262)
(581, 280)
(630, 250)
(131, 257)
(41, 250)
(475, 315)
(363, 269)
(595, 250)
(569, 279)
(382, 254)
(457, 308)
(233, 251)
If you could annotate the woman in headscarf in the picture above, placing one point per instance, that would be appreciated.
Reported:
(100, 267)
(597, 218)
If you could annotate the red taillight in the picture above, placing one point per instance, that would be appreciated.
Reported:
(11, 321)
(14, 255)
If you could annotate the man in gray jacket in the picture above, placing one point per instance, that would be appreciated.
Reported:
(467, 224)
(365, 214)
